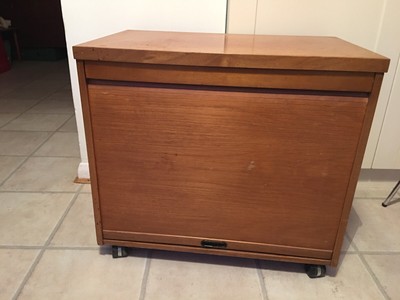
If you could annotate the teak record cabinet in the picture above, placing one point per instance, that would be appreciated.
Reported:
(237, 145)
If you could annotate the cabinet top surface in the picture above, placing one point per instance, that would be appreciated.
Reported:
(232, 50)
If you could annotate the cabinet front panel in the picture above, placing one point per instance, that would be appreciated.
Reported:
(224, 165)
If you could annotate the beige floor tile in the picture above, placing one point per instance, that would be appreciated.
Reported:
(375, 189)
(187, 276)
(86, 188)
(387, 269)
(62, 95)
(8, 164)
(60, 144)
(9, 105)
(67, 87)
(376, 183)
(78, 228)
(29, 218)
(5, 118)
(289, 281)
(30, 91)
(50, 106)
(347, 245)
(373, 227)
(69, 126)
(84, 274)
(8, 85)
(37, 122)
(53, 174)
(47, 84)
(21, 143)
(14, 264)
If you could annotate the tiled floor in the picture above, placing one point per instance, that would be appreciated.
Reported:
(47, 243)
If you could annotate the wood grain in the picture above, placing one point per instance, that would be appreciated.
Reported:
(233, 51)
(209, 163)
(233, 77)
(355, 172)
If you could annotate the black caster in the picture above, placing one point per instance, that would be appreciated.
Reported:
(119, 251)
(315, 271)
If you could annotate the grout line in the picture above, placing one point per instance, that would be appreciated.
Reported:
(352, 244)
(49, 113)
(41, 156)
(40, 100)
(20, 247)
(369, 270)
(27, 275)
(146, 272)
(263, 286)
(226, 16)
(12, 130)
(15, 170)
(89, 248)
(17, 116)
(18, 88)
(374, 277)
(51, 156)
(41, 192)
(50, 247)
(54, 156)
(45, 246)
(368, 252)
(369, 198)
(33, 152)
(16, 167)
(348, 252)
(255, 18)
(39, 76)
(379, 252)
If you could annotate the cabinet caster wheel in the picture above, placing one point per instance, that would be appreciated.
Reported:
(119, 251)
(315, 271)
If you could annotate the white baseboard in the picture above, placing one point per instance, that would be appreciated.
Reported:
(83, 171)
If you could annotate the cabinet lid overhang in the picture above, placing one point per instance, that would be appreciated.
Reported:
(232, 50)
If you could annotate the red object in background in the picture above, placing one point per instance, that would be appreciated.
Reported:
(4, 63)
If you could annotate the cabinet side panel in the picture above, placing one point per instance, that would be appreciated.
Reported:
(87, 119)
(367, 122)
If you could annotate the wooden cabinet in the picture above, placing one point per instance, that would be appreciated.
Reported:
(235, 145)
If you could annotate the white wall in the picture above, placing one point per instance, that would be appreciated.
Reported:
(356, 20)
(387, 154)
(85, 20)
(373, 24)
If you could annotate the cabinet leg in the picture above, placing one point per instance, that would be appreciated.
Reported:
(119, 251)
(315, 271)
